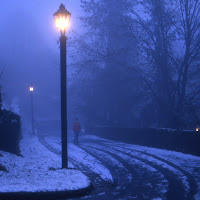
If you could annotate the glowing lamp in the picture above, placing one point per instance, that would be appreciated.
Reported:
(31, 89)
(62, 18)
(197, 129)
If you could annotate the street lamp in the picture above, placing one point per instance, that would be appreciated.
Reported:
(31, 92)
(62, 18)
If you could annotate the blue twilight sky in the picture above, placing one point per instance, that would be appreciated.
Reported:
(30, 52)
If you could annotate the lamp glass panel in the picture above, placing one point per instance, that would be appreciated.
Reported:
(62, 22)
(31, 89)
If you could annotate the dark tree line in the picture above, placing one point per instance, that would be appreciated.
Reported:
(139, 63)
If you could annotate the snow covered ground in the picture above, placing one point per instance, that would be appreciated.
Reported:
(138, 172)
(179, 164)
(81, 156)
(33, 171)
(127, 162)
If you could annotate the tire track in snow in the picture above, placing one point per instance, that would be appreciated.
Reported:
(139, 184)
(121, 182)
(103, 191)
(175, 191)
(176, 188)
(193, 187)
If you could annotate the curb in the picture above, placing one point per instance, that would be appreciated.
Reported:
(46, 195)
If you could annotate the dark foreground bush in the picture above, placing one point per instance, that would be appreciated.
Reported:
(176, 140)
(10, 132)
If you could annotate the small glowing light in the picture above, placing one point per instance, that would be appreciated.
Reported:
(197, 129)
(31, 89)
(62, 22)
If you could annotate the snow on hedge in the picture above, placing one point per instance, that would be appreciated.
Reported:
(31, 173)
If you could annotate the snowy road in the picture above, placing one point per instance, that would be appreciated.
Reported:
(137, 172)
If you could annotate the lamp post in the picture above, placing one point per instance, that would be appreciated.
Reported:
(31, 92)
(62, 18)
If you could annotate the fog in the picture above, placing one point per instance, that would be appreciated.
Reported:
(130, 121)
(126, 65)
(29, 51)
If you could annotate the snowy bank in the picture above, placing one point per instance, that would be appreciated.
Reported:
(32, 172)
(81, 156)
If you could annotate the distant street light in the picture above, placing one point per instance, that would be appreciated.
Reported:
(62, 18)
(31, 89)
(31, 92)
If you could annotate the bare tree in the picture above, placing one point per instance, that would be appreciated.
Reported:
(188, 70)
(156, 37)
(169, 50)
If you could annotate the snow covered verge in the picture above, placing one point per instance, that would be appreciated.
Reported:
(80, 156)
(33, 171)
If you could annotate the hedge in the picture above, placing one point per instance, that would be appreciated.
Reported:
(176, 140)
(10, 132)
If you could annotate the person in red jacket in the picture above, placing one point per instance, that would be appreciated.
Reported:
(77, 130)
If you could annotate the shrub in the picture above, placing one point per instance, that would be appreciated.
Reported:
(10, 132)
(177, 140)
